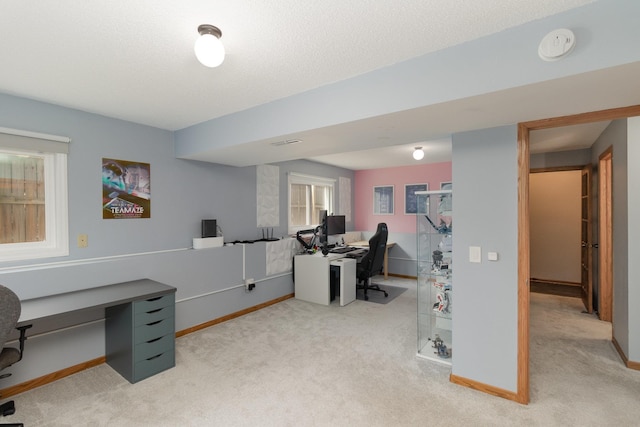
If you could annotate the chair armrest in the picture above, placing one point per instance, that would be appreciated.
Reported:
(23, 338)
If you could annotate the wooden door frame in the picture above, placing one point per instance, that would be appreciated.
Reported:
(588, 170)
(605, 233)
(524, 128)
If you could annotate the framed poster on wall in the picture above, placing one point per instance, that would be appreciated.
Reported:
(126, 189)
(411, 201)
(383, 200)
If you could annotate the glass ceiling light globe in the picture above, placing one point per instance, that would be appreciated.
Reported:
(418, 154)
(208, 48)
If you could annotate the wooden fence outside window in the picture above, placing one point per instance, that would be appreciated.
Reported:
(22, 202)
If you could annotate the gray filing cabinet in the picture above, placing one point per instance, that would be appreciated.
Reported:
(140, 337)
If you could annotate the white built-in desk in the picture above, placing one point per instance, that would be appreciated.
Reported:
(313, 277)
(139, 326)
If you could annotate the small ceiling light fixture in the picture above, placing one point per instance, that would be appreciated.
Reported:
(418, 154)
(209, 49)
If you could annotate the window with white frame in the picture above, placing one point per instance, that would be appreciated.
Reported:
(308, 195)
(33, 195)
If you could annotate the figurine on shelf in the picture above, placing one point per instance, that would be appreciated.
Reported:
(442, 286)
(443, 302)
(442, 350)
(437, 258)
(443, 228)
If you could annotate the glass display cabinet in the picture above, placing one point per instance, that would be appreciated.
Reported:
(435, 272)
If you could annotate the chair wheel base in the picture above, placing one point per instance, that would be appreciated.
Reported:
(8, 408)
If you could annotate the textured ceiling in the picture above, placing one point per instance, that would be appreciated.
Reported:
(134, 60)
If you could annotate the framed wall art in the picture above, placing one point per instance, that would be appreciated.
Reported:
(126, 189)
(383, 200)
(411, 206)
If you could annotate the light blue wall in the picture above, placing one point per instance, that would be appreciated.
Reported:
(209, 282)
(633, 183)
(485, 294)
(624, 138)
(615, 136)
(183, 192)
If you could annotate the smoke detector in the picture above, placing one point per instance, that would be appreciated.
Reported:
(557, 44)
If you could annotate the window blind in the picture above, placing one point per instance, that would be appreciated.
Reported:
(26, 140)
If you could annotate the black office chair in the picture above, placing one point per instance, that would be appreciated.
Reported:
(372, 263)
(9, 315)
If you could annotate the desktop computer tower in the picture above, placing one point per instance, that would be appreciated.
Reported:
(342, 280)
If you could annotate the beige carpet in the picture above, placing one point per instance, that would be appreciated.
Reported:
(301, 364)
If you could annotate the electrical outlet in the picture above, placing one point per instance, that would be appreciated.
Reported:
(249, 284)
(83, 240)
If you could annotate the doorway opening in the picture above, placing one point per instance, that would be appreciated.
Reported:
(524, 270)
(558, 235)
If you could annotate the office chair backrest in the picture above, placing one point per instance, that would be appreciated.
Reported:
(377, 245)
(9, 313)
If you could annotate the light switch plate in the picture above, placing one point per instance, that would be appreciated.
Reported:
(492, 256)
(475, 254)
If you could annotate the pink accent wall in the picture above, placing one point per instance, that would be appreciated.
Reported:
(432, 174)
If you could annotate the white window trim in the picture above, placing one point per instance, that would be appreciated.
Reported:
(56, 241)
(298, 178)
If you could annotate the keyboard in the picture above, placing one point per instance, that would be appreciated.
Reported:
(358, 253)
(342, 250)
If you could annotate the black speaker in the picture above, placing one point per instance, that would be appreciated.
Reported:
(209, 228)
(325, 249)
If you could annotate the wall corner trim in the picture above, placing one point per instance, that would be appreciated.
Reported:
(489, 389)
(628, 363)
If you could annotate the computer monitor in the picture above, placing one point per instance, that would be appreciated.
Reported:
(335, 225)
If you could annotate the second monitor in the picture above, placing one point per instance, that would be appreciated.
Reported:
(335, 225)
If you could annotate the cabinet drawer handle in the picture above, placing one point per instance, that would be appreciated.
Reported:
(154, 323)
(155, 357)
(154, 311)
(153, 299)
(154, 340)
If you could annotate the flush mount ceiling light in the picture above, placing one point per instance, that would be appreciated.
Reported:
(418, 154)
(209, 49)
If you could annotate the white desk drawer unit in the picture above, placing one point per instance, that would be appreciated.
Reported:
(313, 278)
(140, 337)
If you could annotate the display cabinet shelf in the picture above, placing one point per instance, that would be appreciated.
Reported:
(435, 274)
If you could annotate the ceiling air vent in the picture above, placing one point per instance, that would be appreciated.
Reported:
(286, 142)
